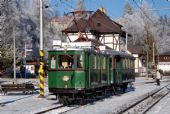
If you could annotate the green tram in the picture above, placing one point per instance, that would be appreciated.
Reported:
(75, 73)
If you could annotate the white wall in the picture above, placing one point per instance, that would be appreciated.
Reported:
(74, 36)
(165, 66)
(109, 40)
(138, 64)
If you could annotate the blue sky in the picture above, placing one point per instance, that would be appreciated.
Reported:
(114, 8)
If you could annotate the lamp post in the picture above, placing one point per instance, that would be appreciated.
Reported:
(126, 41)
(41, 70)
(41, 24)
(14, 56)
(153, 53)
(147, 58)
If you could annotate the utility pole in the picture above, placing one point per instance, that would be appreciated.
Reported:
(158, 61)
(25, 61)
(41, 68)
(14, 56)
(153, 53)
(126, 41)
(147, 64)
(0, 47)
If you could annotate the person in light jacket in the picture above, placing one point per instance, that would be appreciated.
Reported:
(158, 77)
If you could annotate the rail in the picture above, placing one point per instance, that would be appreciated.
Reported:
(144, 104)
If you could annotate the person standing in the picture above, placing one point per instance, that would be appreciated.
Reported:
(158, 77)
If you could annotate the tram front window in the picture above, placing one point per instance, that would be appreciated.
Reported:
(65, 61)
(68, 61)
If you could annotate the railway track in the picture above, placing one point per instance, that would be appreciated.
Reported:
(145, 103)
(60, 109)
(50, 109)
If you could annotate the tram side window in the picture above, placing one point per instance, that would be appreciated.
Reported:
(53, 62)
(133, 64)
(80, 61)
(95, 62)
(123, 61)
(99, 62)
(129, 63)
(113, 63)
(126, 63)
(66, 61)
(92, 61)
(103, 61)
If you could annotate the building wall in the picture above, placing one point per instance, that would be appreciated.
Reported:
(165, 66)
(138, 65)
(164, 62)
(74, 36)
(110, 40)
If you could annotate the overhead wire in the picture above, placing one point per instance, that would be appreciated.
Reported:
(143, 12)
(153, 2)
(66, 3)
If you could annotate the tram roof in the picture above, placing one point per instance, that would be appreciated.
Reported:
(108, 52)
(68, 49)
(118, 53)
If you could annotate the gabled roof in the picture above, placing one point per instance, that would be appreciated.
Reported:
(98, 22)
(61, 19)
(136, 49)
(165, 53)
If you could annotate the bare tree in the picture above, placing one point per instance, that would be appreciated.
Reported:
(80, 5)
(24, 15)
(146, 27)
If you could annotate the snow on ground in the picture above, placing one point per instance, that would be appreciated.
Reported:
(109, 104)
(17, 103)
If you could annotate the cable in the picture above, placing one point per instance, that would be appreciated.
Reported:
(155, 7)
(64, 3)
(143, 12)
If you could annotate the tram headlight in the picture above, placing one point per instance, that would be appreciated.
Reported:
(66, 78)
